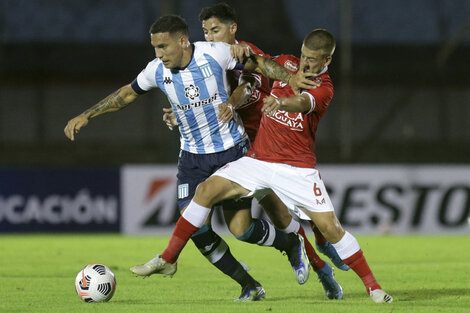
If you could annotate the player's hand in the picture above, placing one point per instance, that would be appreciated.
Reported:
(74, 125)
(240, 51)
(169, 118)
(225, 112)
(302, 80)
(270, 105)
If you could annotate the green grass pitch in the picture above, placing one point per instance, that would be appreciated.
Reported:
(37, 273)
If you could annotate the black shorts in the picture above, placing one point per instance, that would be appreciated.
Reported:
(196, 168)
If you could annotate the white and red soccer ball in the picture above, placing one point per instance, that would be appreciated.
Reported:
(95, 283)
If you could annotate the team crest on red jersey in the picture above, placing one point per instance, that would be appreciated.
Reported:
(317, 79)
(291, 66)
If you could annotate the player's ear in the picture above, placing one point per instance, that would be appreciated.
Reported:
(328, 60)
(233, 28)
(184, 42)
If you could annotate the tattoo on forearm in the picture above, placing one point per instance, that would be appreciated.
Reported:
(273, 70)
(112, 102)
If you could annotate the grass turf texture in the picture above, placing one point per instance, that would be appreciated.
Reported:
(37, 273)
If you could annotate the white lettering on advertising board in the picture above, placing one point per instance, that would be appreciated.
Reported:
(367, 198)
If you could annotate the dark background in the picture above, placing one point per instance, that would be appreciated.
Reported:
(401, 72)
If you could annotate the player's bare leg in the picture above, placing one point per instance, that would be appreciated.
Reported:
(325, 247)
(350, 252)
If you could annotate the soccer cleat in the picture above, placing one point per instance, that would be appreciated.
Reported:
(299, 260)
(330, 251)
(380, 296)
(157, 265)
(326, 276)
(251, 293)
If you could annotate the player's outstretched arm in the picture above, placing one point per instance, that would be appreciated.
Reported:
(273, 70)
(114, 102)
(299, 103)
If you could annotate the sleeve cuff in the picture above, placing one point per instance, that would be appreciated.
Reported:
(137, 88)
(312, 101)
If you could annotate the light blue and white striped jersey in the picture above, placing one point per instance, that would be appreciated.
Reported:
(195, 94)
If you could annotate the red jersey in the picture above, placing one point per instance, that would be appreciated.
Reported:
(250, 111)
(290, 137)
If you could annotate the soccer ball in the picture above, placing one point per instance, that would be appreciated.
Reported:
(95, 283)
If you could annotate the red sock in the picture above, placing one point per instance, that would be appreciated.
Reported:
(183, 231)
(319, 238)
(358, 263)
(315, 260)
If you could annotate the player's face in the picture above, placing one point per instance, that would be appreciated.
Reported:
(169, 48)
(215, 30)
(313, 61)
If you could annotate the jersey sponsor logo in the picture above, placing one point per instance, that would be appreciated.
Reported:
(196, 104)
(291, 66)
(292, 120)
(167, 80)
(191, 92)
(206, 70)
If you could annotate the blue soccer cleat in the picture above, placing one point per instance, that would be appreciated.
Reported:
(326, 276)
(330, 251)
(299, 260)
(251, 293)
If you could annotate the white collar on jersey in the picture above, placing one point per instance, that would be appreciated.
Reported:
(323, 71)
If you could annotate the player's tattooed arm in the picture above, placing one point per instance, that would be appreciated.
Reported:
(273, 70)
(267, 68)
(114, 102)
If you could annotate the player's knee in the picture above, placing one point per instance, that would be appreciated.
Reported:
(206, 191)
(214, 190)
(330, 229)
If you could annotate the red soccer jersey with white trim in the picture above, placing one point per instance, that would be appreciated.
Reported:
(290, 137)
(250, 111)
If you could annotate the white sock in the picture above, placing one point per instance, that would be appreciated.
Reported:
(196, 214)
(347, 246)
(293, 227)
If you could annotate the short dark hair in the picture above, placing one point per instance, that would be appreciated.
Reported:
(320, 39)
(170, 24)
(221, 10)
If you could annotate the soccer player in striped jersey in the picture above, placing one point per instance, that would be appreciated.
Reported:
(193, 76)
